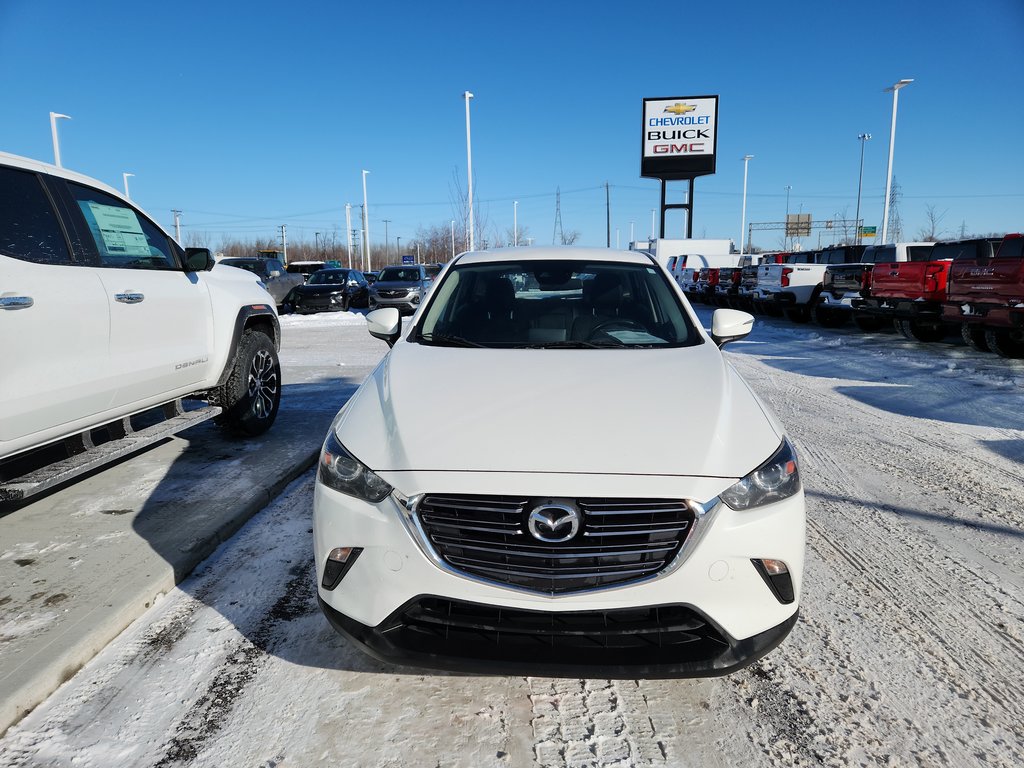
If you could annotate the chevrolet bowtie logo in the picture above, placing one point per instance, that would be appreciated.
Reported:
(680, 109)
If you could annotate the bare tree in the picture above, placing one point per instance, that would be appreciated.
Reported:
(929, 233)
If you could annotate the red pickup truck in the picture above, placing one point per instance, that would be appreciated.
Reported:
(986, 297)
(912, 293)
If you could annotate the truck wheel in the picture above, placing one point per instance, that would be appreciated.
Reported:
(974, 336)
(798, 314)
(918, 331)
(1005, 342)
(867, 323)
(252, 394)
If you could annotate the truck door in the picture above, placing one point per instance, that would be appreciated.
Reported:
(54, 322)
(160, 316)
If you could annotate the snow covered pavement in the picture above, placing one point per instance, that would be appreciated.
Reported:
(909, 651)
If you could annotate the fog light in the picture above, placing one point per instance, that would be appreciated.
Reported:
(339, 561)
(776, 575)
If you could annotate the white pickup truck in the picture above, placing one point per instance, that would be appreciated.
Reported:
(105, 319)
(795, 285)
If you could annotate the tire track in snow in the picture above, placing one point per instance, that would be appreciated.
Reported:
(591, 723)
(209, 713)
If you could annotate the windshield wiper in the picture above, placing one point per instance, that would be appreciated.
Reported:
(442, 339)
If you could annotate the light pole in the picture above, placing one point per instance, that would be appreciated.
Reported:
(785, 228)
(892, 144)
(125, 176)
(54, 117)
(515, 223)
(652, 223)
(386, 241)
(864, 138)
(348, 232)
(316, 239)
(398, 245)
(469, 167)
(366, 228)
(453, 238)
(743, 219)
(630, 243)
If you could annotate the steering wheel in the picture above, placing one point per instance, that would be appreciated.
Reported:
(616, 324)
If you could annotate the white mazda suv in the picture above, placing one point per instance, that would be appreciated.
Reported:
(552, 512)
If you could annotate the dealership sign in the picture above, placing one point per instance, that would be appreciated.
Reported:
(680, 137)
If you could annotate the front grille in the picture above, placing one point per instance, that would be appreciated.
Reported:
(400, 294)
(619, 540)
(648, 635)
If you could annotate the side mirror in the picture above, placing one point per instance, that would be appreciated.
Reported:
(730, 325)
(198, 260)
(385, 324)
(275, 273)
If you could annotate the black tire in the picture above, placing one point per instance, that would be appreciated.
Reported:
(252, 395)
(923, 332)
(867, 323)
(1006, 342)
(827, 317)
(974, 336)
(799, 314)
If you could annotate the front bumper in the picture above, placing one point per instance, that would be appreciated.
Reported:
(713, 576)
(661, 642)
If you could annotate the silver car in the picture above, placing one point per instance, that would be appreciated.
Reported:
(400, 287)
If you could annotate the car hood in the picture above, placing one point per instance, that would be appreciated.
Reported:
(682, 412)
(318, 290)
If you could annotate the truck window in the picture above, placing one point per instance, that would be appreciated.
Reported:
(29, 230)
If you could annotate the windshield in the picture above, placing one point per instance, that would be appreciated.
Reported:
(400, 275)
(328, 277)
(555, 304)
(256, 267)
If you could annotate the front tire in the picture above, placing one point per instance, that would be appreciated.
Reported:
(252, 394)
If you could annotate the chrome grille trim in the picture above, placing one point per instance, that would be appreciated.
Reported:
(483, 538)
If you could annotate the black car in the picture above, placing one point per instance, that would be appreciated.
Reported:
(330, 290)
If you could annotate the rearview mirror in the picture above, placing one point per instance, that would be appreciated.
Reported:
(385, 324)
(198, 260)
(730, 325)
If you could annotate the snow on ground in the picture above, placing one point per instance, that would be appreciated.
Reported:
(909, 651)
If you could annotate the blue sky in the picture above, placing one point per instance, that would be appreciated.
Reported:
(250, 115)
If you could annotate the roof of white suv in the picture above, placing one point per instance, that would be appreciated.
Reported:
(554, 252)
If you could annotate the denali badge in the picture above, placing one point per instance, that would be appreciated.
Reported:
(553, 523)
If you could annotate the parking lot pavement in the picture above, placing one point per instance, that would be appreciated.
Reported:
(80, 565)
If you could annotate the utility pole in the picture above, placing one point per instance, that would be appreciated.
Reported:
(398, 246)
(608, 215)
(177, 225)
(785, 230)
(453, 238)
(316, 240)
(348, 232)
(284, 242)
(386, 241)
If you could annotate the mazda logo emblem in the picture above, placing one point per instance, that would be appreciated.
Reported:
(553, 523)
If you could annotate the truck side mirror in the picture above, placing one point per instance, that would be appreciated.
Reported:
(198, 260)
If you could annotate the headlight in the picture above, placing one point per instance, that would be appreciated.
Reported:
(341, 471)
(776, 479)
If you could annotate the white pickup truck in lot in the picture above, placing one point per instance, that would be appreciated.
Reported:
(796, 284)
(104, 318)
